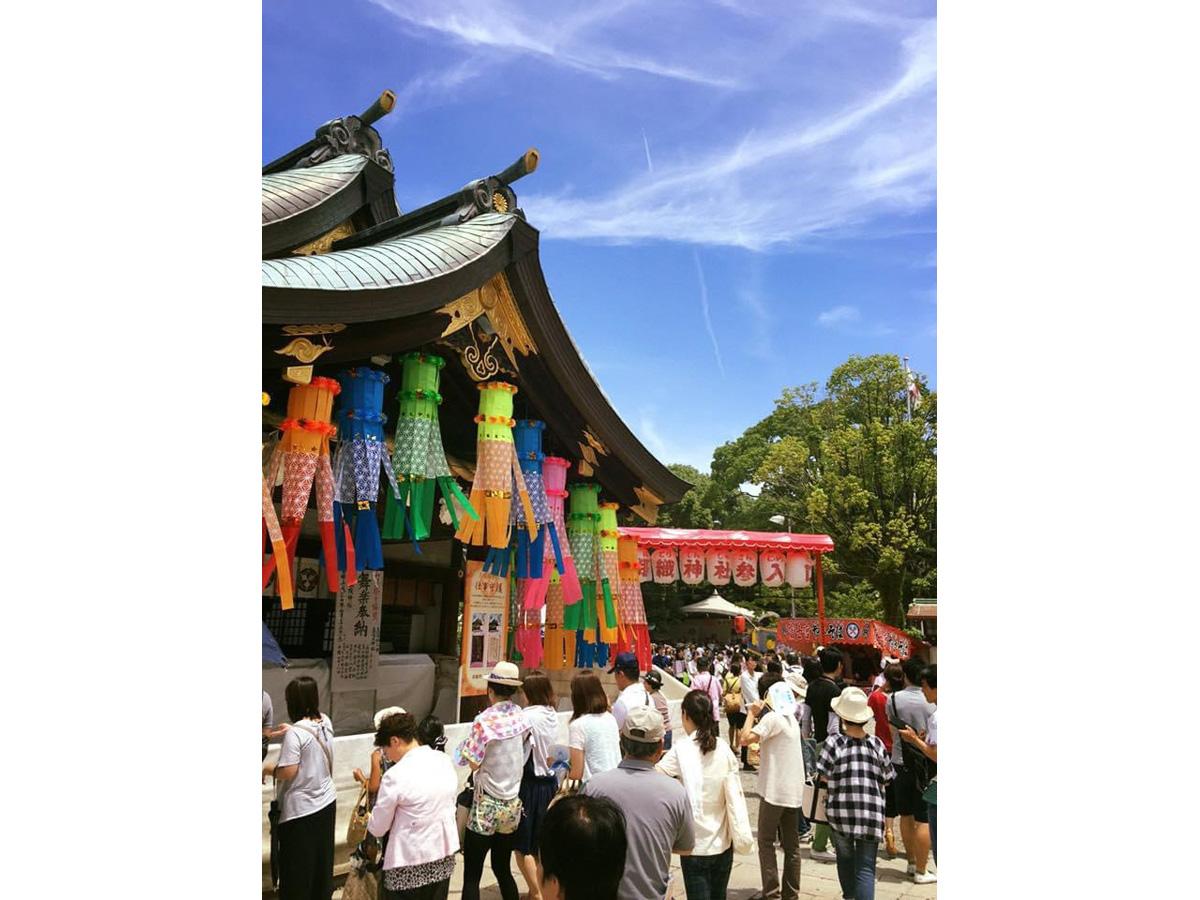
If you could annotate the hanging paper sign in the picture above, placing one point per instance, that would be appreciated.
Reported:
(666, 565)
(719, 567)
(771, 568)
(356, 633)
(745, 568)
(799, 569)
(485, 624)
(645, 571)
(691, 565)
(806, 634)
(307, 575)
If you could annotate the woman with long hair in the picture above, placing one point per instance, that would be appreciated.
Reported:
(306, 796)
(538, 783)
(592, 736)
(708, 769)
(893, 681)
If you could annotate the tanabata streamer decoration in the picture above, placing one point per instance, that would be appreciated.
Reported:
(583, 530)
(532, 553)
(559, 642)
(608, 617)
(497, 473)
(418, 457)
(360, 462)
(278, 549)
(303, 457)
(554, 477)
(635, 636)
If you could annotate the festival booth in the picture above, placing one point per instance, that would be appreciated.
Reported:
(864, 641)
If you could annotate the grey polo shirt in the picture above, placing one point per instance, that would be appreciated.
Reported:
(658, 820)
(911, 708)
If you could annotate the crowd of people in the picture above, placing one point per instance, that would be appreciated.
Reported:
(633, 794)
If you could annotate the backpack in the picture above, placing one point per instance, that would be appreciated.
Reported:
(733, 694)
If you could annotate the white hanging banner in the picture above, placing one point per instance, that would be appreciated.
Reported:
(359, 609)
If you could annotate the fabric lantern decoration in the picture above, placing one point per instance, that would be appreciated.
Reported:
(528, 637)
(665, 565)
(745, 567)
(739, 624)
(554, 477)
(635, 635)
(497, 472)
(559, 642)
(645, 570)
(608, 617)
(357, 469)
(771, 567)
(302, 457)
(799, 568)
(418, 458)
(278, 550)
(718, 566)
(583, 529)
(691, 565)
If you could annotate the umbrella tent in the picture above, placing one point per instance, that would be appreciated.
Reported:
(272, 654)
(716, 605)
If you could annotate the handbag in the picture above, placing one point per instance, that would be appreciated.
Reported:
(360, 814)
(930, 793)
(816, 793)
(362, 884)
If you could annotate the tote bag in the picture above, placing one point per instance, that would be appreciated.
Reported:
(816, 793)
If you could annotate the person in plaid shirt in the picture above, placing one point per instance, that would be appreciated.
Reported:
(857, 767)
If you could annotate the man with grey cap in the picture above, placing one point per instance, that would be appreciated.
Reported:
(658, 813)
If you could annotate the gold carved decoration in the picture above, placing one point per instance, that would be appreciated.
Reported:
(325, 241)
(302, 330)
(594, 443)
(493, 300)
(305, 350)
(648, 504)
(298, 374)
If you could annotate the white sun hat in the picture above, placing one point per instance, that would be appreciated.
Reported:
(852, 706)
(385, 712)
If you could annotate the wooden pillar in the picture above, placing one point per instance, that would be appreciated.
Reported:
(821, 598)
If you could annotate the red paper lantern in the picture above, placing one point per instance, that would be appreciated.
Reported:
(719, 567)
(691, 565)
(739, 624)
(745, 567)
(771, 568)
(665, 564)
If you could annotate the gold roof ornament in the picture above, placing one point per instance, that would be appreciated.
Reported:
(648, 504)
(304, 350)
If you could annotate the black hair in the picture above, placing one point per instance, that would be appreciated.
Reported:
(639, 749)
(502, 690)
(913, 668)
(810, 667)
(582, 847)
(538, 690)
(402, 725)
(767, 682)
(735, 668)
(698, 707)
(929, 676)
(775, 666)
(791, 659)
(431, 733)
(303, 699)
(894, 676)
(702, 664)
(830, 657)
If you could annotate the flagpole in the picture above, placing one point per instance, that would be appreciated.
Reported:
(907, 389)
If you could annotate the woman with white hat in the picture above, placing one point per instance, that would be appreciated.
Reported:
(856, 767)
(380, 763)
(495, 749)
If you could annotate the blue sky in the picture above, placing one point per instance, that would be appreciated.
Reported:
(732, 197)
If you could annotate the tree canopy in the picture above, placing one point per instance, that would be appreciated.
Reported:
(846, 461)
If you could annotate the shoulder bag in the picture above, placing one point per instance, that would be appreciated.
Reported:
(737, 817)
(913, 759)
(360, 814)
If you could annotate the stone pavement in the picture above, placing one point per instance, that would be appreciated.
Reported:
(817, 879)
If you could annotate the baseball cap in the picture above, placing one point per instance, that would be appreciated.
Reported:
(628, 664)
(643, 723)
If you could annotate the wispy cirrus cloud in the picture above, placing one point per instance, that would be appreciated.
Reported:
(839, 315)
(706, 315)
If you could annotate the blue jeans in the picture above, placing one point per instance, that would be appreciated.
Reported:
(706, 877)
(933, 828)
(855, 865)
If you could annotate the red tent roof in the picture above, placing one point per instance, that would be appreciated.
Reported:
(752, 540)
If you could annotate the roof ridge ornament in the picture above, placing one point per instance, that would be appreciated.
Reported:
(341, 136)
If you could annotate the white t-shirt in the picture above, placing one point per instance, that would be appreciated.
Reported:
(543, 736)
(931, 733)
(634, 695)
(598, 736)
(781, 760)
(311, 790)
(749, 689)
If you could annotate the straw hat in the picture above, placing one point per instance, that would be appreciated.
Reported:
(505, 673)
(852, 706)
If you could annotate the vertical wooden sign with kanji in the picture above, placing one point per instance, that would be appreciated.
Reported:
(356, 633)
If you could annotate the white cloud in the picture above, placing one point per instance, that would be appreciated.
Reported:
(672, 451)
(839, 315)
(708, 325)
